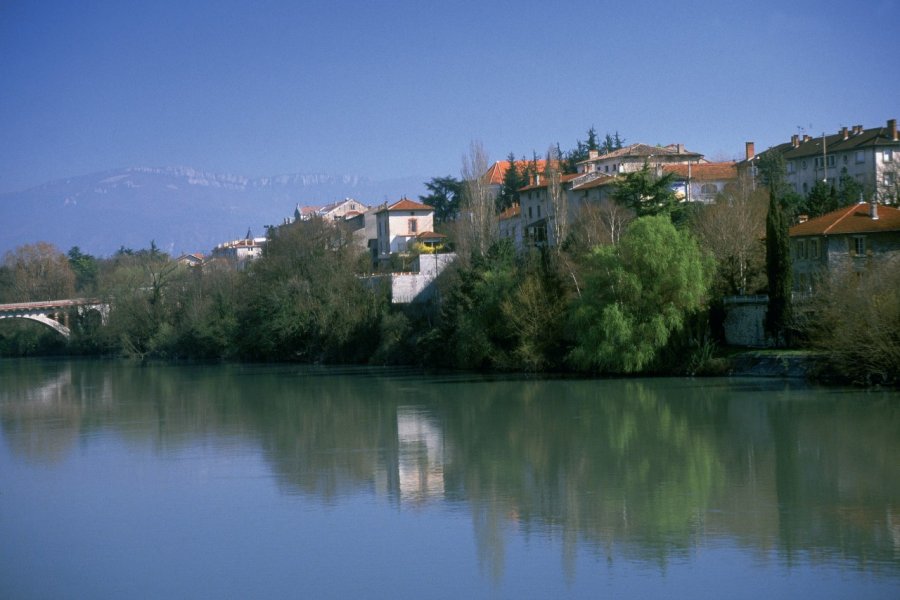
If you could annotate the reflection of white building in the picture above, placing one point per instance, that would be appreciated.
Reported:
(421, 457)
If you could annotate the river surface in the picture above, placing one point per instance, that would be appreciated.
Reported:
(233, 481)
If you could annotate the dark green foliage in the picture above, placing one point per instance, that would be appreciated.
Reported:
(849, 191)
(591, 143)
(444, 195)
(303, 301)
(822, 198)
(778, 256)
(504, 312)
(86, 269)
(139, 287)
(513, 180)
(648, 194)
(20, 337)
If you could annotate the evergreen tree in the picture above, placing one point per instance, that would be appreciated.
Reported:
(444, 196)
(778, 256)
(646, 194)
(849, 192)
(592, 139)
(513, 180)
(822, 198)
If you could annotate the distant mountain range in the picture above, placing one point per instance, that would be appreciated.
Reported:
(181, 209)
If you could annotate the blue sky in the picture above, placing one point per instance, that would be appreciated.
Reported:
(392, 89)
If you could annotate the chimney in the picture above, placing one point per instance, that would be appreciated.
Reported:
(680, 147)
(592, 154)
(749, 150)
(873, 210)
(844, 133)
(892, 129)
(537, 179)
(858, 129)
(806, 137)
(802, 218)
(795, 140)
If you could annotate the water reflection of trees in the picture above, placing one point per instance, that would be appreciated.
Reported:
(644, 469)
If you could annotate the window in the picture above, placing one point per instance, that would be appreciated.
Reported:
(888, 178)
(860, 156)
(413, 225)
(831, 160)
(529, 212)
(708, 189)
(790, 167)
(803, 164)
(800, 249)
(858, 245)
(814, 248)
(888, 155)
(805, 187)
(845, 159)
(539, 211)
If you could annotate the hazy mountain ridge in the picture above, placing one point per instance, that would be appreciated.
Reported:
(180, 208)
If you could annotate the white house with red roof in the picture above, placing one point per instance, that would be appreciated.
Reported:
(701, 182)
(849, 237)
(400, 223)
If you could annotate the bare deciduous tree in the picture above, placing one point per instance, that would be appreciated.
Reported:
(557, 201)
(732, 229)
(40, 272)
(600, 224)
(479, 227)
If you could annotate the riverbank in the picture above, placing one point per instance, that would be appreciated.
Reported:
(795, 364)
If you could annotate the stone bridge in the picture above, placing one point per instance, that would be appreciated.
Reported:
(54, 313)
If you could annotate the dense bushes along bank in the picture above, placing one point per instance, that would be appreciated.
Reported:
(637, 306)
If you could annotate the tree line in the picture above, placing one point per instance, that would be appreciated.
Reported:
(635, 286)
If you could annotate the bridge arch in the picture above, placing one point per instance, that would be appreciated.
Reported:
(51, 323)
(54, 313)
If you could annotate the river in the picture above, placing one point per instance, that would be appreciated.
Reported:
(119, 480)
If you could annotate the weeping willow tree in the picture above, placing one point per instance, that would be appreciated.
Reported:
(636, 295)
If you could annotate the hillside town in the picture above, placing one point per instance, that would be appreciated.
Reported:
(868, 159)
(608, 258)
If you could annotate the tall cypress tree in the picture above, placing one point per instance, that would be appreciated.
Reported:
(778, 251)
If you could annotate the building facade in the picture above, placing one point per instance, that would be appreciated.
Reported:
(851, 238)
(399, 224)
(871, 157)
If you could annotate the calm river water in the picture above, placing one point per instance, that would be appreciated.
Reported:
(123, 481)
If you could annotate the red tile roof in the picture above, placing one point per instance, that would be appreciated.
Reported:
(494, 175)
(407, 204)
(430, 235)
(849, 220)
(718, 171)
(510, 213)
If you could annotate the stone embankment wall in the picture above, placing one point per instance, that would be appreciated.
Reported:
(745, 321)
(419, 286)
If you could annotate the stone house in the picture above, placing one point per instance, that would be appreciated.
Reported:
(848, 238)
(399, 224)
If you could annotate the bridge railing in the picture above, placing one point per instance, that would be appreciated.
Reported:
(66, 303)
